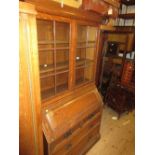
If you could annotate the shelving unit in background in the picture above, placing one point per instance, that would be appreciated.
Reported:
(126, 14)
(113, 63)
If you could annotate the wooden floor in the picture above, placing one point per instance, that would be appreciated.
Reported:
(117, 136)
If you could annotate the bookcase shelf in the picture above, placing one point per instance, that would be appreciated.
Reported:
(127, 16)
(128, 2)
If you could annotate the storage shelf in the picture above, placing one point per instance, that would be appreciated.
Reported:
(126, 2)
(127, 16)
(63, 67)
(127, 29)
(83, 63)
(81, 81)
(51, 91)
(91, 41)
(50, 67)
(114, 57)
(53, 74)
(44, 42)
(60, 68)
(85, 47)
(49, 49)
(118, 42)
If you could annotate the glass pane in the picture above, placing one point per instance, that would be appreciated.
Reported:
(46, 61)
(92, 33)
(62, 60)
(61, 82)
(62, 34)
(45, 35)
(81, 35)
(86, 42)
(89, 73)
(80, 57)
(90, 54)
(47, 86)
(79, 76)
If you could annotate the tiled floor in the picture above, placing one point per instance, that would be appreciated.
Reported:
(117, 136)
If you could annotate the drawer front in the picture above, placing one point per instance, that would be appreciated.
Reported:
(82, 146)
(76, 136)
(64, 150)
(82, 131)
(86, 142)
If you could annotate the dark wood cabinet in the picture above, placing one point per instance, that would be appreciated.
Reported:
(118, 45)
(128, 75)
(120, 99)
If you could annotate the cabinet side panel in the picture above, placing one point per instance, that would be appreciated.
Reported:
(30, 131)
(26, 132)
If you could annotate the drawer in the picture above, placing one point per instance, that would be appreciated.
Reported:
(72, 147)
(81, 132)
(64, 149)
(86, 142)
(76, 136)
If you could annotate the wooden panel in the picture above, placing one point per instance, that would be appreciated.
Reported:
(72, 54)
(30, 130)
(102, 7)
(127, 73)
(89, 73)
(127, 16)
(72, 3)
(101, 39)
(130, 42)
(122, 37)
(115, 3)
(71, 114)
(87, 127)
(86, 142)
(107, 27)
(50, 7)
(117, 37)
(26, 131)
(98, 6)
(64, 145)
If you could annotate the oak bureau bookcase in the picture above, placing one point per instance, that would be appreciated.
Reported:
(67, 41)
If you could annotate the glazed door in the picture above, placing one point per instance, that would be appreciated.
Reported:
(85, 54)
(54, 47)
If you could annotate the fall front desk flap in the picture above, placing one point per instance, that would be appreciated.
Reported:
(56, 122)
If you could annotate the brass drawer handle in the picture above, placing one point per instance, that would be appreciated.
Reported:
(81, 124)
(67, 134)
(68, 146)
(91, 115)
(92, 125)
(89, 138)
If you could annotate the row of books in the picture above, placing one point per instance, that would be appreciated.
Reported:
(127, 9)
(124, 22)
